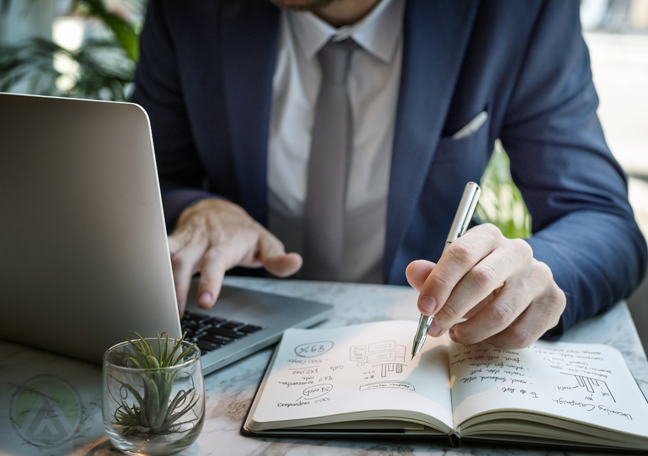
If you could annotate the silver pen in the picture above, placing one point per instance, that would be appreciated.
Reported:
(459, 225)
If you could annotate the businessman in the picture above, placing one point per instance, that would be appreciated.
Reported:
(343, 133)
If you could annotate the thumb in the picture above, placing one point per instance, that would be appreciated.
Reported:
(417, 273)
(274, 258)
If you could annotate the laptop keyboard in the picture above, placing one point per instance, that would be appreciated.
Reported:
(211, 333)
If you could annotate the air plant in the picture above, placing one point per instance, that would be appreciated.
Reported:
(154, 412)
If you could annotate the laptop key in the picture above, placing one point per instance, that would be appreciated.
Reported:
(215, 321)
(215, 339)
(189, 324)
(226, 333)
(206, 346)
(197, 316)
(249, 329)
(194, 333)
(232, 324)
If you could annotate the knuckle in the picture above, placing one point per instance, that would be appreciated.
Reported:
(483, 276)
(196, 236)
(543, 271)
(522, 248)
(556, 300)
(211, 262)
(447, 313)
(212, 255)
(501, 315)
(491, 230)
(178, 260)
(520, 337)
(465, 337)
(206, 282)
(440, 280)
(462, 252)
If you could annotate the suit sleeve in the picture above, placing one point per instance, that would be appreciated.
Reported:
(583, 225)
(158, 89)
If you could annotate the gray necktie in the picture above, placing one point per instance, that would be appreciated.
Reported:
(327, 167)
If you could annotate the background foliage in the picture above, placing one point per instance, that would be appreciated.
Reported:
(105, 67)
(104, 64)
(501, 202)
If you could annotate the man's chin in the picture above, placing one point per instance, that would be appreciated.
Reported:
(302, 5)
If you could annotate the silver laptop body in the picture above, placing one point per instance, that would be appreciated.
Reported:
(83, 248)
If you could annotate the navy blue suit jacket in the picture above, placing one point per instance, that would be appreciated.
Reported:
(205, 78)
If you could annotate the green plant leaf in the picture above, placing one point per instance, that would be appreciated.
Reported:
(152, 399)
(176, 345)
(501, 202)
(133, 391)
(156, 413)
(165, 353)
(124, 32)
(178, 415)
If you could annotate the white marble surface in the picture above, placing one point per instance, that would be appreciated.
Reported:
(230, 390)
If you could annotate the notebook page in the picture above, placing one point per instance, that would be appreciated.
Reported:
(583, 382)
(321, 372)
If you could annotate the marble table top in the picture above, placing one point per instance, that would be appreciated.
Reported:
(230, 390)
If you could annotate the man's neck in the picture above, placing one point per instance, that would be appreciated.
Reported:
(345, 12)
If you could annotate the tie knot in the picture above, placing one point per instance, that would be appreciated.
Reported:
(334, 60)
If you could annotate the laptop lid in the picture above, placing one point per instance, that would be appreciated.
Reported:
(83, 248)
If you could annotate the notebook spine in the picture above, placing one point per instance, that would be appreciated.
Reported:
(455, 440)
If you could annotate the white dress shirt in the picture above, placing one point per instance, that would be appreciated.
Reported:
(373, 82)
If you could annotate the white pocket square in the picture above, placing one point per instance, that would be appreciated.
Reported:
(472, 126)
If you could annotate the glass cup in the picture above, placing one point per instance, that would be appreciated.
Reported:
(156, 411)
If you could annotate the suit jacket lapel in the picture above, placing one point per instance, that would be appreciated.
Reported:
(249, 35)
(435, 37)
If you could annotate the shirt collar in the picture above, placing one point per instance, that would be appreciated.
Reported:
(378, 32)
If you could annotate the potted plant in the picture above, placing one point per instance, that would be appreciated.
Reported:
(153, 395)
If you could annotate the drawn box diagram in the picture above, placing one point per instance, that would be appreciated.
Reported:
(380, 346)
(592, 385)
(386, 354)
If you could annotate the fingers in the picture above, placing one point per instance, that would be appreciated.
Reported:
(417, 272)
(174, 244)
(221, 256)
(274, 258)
(504, 265)
(507, 304)
(184, 262)
(469, 271)
(509, 298)
(542, 315)
(459, 258)
(213, 267)
(518, 314)
(214, 235)
(254, 248)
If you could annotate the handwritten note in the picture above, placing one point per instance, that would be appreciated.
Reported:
(356, 370)
(586, 383)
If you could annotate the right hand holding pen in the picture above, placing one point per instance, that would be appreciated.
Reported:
(215, 235)
(508, 297)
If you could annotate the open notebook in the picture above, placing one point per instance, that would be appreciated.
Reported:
(359, 380)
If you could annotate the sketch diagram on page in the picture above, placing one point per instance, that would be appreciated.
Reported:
(591, 385)
(384, 360)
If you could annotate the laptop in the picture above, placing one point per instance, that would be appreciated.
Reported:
(83, 247)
